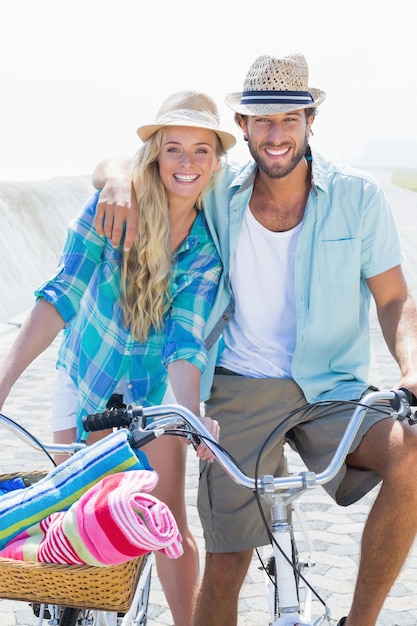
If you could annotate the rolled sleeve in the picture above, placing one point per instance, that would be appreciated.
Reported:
(82, 252)
(176, 351)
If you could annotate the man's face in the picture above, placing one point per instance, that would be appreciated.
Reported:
(277, 142)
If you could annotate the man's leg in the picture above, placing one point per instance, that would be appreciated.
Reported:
(390, 448)
(217, 599)
(248, 411)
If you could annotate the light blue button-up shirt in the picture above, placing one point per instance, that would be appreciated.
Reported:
(348, 235)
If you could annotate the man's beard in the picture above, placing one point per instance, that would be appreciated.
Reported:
(277, 170)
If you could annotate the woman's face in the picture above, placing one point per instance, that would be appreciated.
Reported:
(187, 160)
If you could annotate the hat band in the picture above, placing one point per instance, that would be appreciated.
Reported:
(276, 97)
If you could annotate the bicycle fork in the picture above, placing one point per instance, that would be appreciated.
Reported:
(284, 601)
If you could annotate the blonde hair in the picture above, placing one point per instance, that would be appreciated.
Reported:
(147, 267)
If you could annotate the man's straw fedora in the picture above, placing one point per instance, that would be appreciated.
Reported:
(275, 86)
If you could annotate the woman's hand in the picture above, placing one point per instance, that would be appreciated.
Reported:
(185, 381)
(213, 427)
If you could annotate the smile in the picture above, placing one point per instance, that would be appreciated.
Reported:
(280, 152)
(186, 178)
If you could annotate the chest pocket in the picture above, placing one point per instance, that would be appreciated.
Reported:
(339, 262)
(179, 281)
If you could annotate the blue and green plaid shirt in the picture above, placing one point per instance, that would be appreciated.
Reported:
(97, 350)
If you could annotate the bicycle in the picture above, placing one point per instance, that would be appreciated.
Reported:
(70, 595)
(289, 590)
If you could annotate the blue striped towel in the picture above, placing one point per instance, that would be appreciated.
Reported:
(65, 484)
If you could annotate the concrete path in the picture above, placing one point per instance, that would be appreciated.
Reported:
(335, 531)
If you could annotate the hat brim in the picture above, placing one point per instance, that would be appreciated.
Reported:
(233, 100)
(227, 139)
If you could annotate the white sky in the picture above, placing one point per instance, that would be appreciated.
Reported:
(77, 77)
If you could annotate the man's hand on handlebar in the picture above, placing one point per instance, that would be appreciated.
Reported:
(410, 382)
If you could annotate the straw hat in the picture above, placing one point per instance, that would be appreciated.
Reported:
(188, 108)
(275, 86)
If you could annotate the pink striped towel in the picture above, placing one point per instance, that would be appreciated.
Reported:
(114, 521)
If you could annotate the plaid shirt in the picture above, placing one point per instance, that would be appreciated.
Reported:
(97, 350)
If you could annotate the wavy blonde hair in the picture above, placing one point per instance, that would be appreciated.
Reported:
(147, 267)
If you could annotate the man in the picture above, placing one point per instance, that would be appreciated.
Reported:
(304, 244)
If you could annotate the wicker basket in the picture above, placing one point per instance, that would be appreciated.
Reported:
(79, 586)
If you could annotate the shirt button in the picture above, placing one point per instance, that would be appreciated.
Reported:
(130, 386)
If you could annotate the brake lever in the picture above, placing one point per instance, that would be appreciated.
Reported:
(402, 405)
(193, 439)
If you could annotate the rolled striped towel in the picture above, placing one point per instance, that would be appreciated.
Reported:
(114, 521)
(65, 484)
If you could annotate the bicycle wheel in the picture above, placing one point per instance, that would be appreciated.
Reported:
(75, 617)
(69, 616)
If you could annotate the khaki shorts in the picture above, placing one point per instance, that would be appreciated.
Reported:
(248, 410)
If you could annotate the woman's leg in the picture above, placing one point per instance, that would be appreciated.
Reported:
(64, 407)
(64, 436)
(179, 577)
(70, 435)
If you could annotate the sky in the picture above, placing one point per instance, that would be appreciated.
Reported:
(78, 77)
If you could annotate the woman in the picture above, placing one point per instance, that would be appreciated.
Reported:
(134, 321)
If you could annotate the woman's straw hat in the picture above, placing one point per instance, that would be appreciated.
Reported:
(275, 86)
(188, 108)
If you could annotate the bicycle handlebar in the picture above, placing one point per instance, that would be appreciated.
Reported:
(172, 416)
(110, 418)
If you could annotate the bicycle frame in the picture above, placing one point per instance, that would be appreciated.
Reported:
(284, 590)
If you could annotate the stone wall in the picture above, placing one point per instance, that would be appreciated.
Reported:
(34, 217)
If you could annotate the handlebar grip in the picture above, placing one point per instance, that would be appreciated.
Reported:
(411, 398)
(112, 418)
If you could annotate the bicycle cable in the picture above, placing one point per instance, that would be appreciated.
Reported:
(185, 433)
(29, 435)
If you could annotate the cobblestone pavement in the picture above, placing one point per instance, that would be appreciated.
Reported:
(335, 531)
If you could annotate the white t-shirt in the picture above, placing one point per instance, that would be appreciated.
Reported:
(263, 278)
